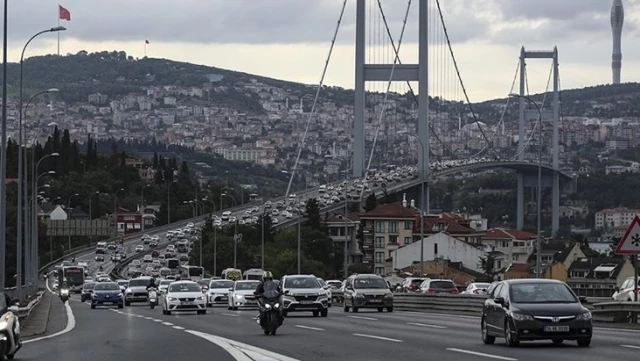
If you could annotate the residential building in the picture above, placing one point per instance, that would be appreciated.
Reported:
(553, 252)
(336, 224)
(598, 277)
(454, 224)
(385, 229)
(446, 269)
(441, 246)
(509, 245)
(615, 217)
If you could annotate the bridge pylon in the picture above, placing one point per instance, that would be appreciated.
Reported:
(525, 115)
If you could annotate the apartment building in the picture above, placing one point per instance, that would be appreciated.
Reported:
(510, 245)
(615, 217)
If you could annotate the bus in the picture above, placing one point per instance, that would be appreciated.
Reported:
(253, 274)
(193, 273)
(74, 276)
(253, 197)
(233, 274)
(173, 264)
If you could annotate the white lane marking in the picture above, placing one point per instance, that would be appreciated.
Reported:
(157, 320)
(377, 337)
(487, 355)
(363, 318)
(148, 318)
(71, 323)
(447, 315)
(309, 327)
(631, 346)
(167, 323)
(241, 351)
(178, 327)
(425, 325)
(230, 314)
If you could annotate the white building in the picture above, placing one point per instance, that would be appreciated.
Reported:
(615, 217)
(441, 246)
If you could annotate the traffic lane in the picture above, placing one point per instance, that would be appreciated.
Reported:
(464, 335)
(300, 343)
(104, 335)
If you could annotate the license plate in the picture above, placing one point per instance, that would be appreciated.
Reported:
(187, 303)
(375, 301)
(224, 298)
(556, 329)
(107, 303)
(306, 302)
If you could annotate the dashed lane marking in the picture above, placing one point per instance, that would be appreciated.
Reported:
(167, 323)
(178, 327)
(482, 354)
(425, 325)
(631, 346)
(363, 318)
(309, 327)
(230, 314)
(377, 337)
(156, 320)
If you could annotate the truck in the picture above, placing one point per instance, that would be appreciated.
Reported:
(253, 274)
(233, 274)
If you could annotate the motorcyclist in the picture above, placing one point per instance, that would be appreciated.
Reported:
(152, 284)
(267, 284)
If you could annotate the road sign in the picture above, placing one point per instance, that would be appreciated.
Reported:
(630, 242)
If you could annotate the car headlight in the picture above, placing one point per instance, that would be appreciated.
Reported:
(276, 306)
(128, 290)
(584, 316)
(359, 295)
(322, 293)
(521, 317)
(239, 297)
(172, 299)
(200, 298)
(3, 324)
(267, 306)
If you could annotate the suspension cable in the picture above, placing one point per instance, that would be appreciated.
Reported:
(464, 89)
(315, 100)
(385, 102)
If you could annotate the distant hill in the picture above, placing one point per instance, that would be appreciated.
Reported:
(115, 73)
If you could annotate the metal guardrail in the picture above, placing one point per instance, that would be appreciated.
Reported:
(24, 312)
(612, 312)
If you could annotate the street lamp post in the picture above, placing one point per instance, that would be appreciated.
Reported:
(299, 238)
(193, 209)
(115, 210)
(69, 214)
(91, 216)
(3, 153)
(262, 224)
(422, 205)
(235, 232)
(142, 204)
(539, 190)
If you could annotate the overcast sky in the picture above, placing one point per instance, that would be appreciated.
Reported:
(289, 39)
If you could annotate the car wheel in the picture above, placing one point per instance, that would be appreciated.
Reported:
(390, 309)
(486, 338)
(509, 337)
(380, 309)
(202, 312)
(324, 313)
(93, 307)
(584, 342)
(121, 306)
(355, 309)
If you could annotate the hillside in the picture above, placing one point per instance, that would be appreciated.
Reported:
(115, 73)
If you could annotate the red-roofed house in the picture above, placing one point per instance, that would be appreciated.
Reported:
(511, 245)
(386, 228)
(453, 224)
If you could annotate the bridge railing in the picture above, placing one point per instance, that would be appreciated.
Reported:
(610, 312)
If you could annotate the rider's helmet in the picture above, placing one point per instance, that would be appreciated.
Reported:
(267, 276)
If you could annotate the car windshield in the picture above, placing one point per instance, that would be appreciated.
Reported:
(481, 285)
(221, 284)
(184, 287)
(106, 286)
(138, 282)
(245, 286)
(165, 282)
(301, 282)
(541, 293)
(370, 282)
(88, 286)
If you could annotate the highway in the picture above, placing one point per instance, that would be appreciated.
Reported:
(138, 332)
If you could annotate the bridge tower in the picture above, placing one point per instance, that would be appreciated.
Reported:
(529, 180)
(382, 72)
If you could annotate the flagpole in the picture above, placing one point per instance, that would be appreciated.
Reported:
(58, 31)
(145, 48)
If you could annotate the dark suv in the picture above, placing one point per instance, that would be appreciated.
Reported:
(367, 291)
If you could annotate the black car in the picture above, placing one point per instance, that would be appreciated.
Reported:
(87, 291)
(535, 309)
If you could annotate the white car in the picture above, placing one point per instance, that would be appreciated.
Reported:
(626, 290)
(164, 285)
(139, 248)
(147, 259)
(241, 294)
(218, 291)
(184, 296)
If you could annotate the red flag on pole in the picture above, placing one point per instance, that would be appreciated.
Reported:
(64, 13)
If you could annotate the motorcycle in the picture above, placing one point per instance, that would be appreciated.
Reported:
(153, 297)
(64, 295)
(271, 314)
(10, 341)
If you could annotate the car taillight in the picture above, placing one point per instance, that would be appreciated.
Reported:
(476, 292)
(412, 287)
(637, 291)
(430, 290)
(455, 292)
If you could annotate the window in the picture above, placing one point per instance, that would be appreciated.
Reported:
(379, 227)
(379, 257)
(393, 227)
(393, 240)
(408, 225)
(379, 242)
(407, 240)
(379, 270)
(435, 248)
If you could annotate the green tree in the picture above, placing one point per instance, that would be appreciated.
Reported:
(370, 203)
(313, 214)
(488, 265)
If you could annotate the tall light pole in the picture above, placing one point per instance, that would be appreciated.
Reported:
(213, 204)
(69, 216)
(34, 208)
(299, 210)
(539, 190)
(262, 224)
(422, 209)
(193, 209)
(91, 216)
(115, 210)
(235, 232)
(3, 154)
(142, 204)
(22, 174)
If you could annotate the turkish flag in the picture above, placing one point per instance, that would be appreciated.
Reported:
(64, 13)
